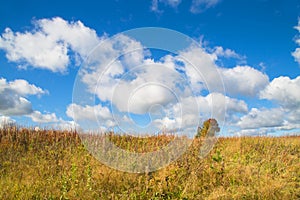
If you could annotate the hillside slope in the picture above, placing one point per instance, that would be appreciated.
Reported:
(55, 165)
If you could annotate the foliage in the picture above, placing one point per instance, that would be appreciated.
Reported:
(209, 128)
(51, 164)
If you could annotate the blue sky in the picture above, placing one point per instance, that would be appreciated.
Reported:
(253, 44)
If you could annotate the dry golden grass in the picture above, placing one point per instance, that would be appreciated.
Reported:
(55, 165)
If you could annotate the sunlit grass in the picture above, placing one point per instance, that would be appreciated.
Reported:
(49, 164)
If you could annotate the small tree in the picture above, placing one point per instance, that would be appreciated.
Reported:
(210, 127)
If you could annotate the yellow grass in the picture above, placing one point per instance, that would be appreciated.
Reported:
(52, 164)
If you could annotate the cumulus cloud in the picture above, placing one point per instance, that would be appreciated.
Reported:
(244, 80)
(201, 69)
(192, 110)
(13, 97)
(48, 44)
(134, 83)
(199, 6)
(14, 105)
(254, 132)
(156, 84)
(266, 121)
(4, 120)
(22, 87)
(14, 102)
(37, 116)
(80, 38)
(129, 88)
(293, 116)
(285, 91)
(227, 53)
(205, 74)
(50, 120)
(258, 118)
(99, 64)
(221, 107)
(67, 125)
(296, 53)
(95, 113)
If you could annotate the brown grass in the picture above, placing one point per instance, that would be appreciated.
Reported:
(51, 164)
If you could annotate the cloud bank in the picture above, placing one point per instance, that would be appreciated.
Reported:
(127, 81)
(48, 45)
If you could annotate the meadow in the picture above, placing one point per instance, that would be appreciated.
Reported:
(53, 164)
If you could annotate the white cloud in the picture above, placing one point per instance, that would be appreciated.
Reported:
(146, 96)
(285, 91)
(4, 120)
(134, 84)
(221, 107)
(200, 68)
(57, 124)
(296, 53)
(91, 113)
(136, 89)
(293, 116)
(267, 121)
(154, 84)
(47, 45)
(13, 97)
(99, 64)
(22, 87)
(14, 105)
(80, 38)
(262, 118)
(50, 120)
(199, 6)
(37, 116)
(227, 53)
(203, 73)
(244, 80)
(36, 49)
(192, 110)
(154, 6)
(254, 132)
(13, 102)
(66, 125)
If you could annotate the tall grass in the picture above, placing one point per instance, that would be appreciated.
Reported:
(51, 164)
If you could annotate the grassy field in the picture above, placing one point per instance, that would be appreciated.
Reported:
(55, 165)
